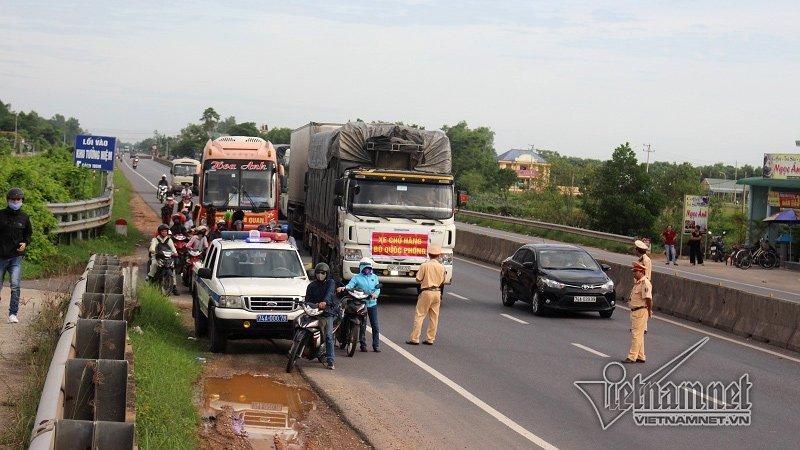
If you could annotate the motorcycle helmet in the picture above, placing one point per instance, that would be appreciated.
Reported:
(365, 263)
(163, 176)
(163, 227)
(15, 193)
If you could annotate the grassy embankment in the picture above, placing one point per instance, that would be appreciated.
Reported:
(560, 236)
(166, 370)
(71, 258)
(39, 341)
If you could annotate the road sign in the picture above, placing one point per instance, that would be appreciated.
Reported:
(95, 152)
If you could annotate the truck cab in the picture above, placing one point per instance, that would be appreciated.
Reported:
(393, 216)
(249, 285)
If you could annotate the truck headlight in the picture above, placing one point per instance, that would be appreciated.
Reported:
(446, 259)
(352, 254)
(551, 283)
(231, 301)
(608, 286)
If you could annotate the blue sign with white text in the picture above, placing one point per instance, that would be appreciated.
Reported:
(95, 152)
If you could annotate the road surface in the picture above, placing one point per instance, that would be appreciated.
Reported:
(500, 377)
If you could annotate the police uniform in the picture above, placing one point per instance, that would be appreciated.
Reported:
(641, 291)
(431, 277)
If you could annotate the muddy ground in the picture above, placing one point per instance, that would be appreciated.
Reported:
(321, 427)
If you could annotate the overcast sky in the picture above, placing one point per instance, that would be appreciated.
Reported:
(700, 81)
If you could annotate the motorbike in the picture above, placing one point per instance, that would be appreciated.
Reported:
(161, 194)
(355, 313)
(135, 163)
(717, 248)
(188, 268)
(181, 243)
(165, 274)
(308, 336)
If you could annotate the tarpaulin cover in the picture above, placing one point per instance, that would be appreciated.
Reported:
(354, 142)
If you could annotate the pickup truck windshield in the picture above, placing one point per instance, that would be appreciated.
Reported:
(392, 198)
(259, 263)
(184, 170)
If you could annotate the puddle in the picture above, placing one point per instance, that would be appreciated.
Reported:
(263, 407)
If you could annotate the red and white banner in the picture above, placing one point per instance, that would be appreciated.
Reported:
(403, 245)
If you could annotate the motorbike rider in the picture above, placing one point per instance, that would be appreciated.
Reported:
(320, 294)
(368, 282)
(167, 209)
(135, 162)
(163, 181)
(160, 240)
(186, 190)
(199, 241)
(186, 203)
(177, 224)
(217, 233)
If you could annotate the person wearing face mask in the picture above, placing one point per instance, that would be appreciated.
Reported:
(320, 294)
(15, 236)
(368, 282)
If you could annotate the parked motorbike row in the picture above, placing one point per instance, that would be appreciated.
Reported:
(172, 265)
(308, 338)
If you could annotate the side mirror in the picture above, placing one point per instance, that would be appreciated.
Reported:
(195, 179)
(337, 201)
(529, 265)
(605, 267)
(204, 273)
(305, 182)
(284, 186)
(339, 188)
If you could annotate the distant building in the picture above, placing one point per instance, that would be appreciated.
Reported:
(727, 190)
(532, 169)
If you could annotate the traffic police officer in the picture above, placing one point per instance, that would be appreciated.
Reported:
(641, 304)
(431, 278)
(641, 250)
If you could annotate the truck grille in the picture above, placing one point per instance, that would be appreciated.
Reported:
(269, 304)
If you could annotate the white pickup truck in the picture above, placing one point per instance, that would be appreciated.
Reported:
(248, 287)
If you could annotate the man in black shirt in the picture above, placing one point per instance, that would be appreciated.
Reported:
(320, 293)
(15, 236)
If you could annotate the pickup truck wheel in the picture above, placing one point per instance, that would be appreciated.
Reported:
(200, 321)
(218, 340)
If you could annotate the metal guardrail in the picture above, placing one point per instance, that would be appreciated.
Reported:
(84, 215)
(549, 226)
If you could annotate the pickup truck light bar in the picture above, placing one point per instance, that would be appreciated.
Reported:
(254, 236)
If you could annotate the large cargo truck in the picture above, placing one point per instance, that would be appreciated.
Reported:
(379, 190)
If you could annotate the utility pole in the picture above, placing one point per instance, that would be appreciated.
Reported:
(16, 117)
(648, 150)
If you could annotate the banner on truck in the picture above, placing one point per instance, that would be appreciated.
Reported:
(400, 245)
(695, 212)
(781, 166)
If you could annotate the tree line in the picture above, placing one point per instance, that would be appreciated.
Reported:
(31, 132)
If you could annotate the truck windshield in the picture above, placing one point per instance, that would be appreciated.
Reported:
(259, 263)
(183, 170)
(234, 186)
(392, 198)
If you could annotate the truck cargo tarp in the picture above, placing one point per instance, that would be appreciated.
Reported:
(360, 143)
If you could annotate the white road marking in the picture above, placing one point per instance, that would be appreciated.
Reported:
(724, 338)
(514, 319)
(710, 399)
(458, 296)
(140, 175)
(505, 420)
(688, 327)
(590, 350)
(478, 264)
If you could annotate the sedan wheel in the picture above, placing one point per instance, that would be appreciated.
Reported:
(536, 305)
(508, 300)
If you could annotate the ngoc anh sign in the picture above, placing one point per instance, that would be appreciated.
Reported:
(781, 166)
(695, 212)
(95, 152)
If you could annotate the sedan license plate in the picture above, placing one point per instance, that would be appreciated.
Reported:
(584, 299)
(272, 318)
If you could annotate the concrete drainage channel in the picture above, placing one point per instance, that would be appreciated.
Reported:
(84, 399)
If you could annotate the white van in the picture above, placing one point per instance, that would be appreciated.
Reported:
(183, 171)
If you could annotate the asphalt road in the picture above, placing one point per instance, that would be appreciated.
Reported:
(500, 377)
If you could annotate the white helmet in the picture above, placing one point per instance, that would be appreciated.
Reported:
(366, 260)
(163, 175)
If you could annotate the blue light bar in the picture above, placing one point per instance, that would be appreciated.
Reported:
(254, 236)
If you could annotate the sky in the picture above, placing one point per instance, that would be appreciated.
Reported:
(700, 81)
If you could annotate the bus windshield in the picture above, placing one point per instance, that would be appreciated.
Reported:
(232, 185)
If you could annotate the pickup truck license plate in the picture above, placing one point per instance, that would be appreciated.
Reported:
(584, 299)
(272, 318)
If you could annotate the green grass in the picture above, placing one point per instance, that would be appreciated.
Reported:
(40, 340)
(72, 257)
(561, 236)
(166, 370)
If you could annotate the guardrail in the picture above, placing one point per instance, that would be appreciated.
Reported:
(85, 398)
(84, 218)
(549, 226)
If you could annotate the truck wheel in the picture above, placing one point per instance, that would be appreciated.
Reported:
(218, 341)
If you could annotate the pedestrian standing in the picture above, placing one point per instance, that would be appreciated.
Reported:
(431, 276)
(695, 246)
(15, 236)
(644, 260)
(641, 305)
(669, 245)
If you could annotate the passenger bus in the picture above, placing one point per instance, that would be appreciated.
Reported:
(240, 173)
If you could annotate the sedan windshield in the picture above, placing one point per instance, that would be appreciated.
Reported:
(413, 200)
(566, 260)
(259, 263)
